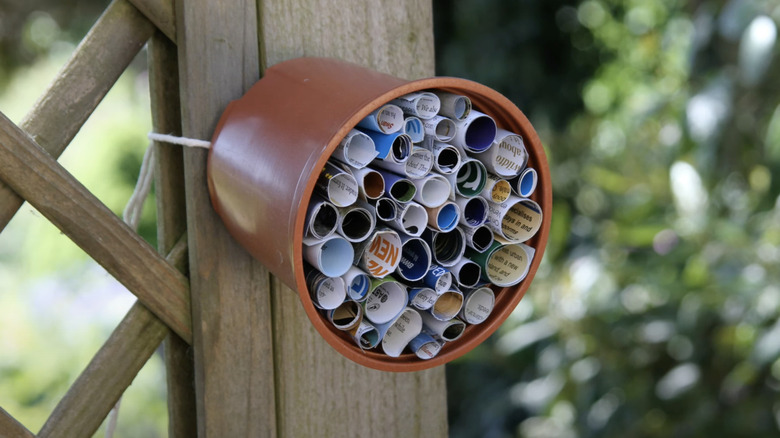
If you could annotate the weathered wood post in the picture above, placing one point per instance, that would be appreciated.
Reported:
(260, 368)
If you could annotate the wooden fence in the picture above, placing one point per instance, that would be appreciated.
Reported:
(259, 368)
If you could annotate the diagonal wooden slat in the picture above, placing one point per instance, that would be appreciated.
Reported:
(10, 428)
(94, 67)
(159, 12)
(37, 177)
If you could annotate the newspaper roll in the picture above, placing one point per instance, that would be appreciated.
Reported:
(432, 191)
(379, 255)
(365, 335)
(326, 292)
(392, 147)
(466, 273)
(444, 217)
(446, 331)
(447, 247)
(470, 179)
(356, 223)
(525, 184)
(476, 133)
(410, 218)
(386, 209)
(447, 305)
(337, 186)
(473, 211)
(415, 259)
(418, 165)
(496, 189)
(357, 283)
(503, 264)
(479, 238)
(422, 298)
(507, 157)
(439, 278)
(322, 219)
(440, 128)
(385, 301)
(387, 119)
(400, 189)
(332, 256)
(371, 184)
(346, 316)
(477, 305)
(516, 219)
(413, 127)
(356, 149)
(397, 334)
(421, 104)
(424, 346)
(446, 158)
(453, 105)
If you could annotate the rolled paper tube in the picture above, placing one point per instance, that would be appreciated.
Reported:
(398, 188)
(447, 305)
(444, 217)
(420, 104)
(337, 185)
(346, 316)
(504, 264)
(410, 219)
(397, 334)
(356, 223)
(466, 273)
(438, 278)
(473, 211)
(424, 346)
(322, 219)
(385, 301)
(366, 336)
(525, 184)
(356, 149)
(496, 189)
(357, 283)
(387, 119)
(446, 158)
(332, 256)
(507, 157)
(371, 184)
(469, 180)
(516, 219)
(326, 292)
(423, 297)
(478, 238)
(453, 105)
(418, 165)
(432, 191)
(477, 305)
(415, 259)
(413, 127)
(442, 330)
(380, 254)
(394, 147)
(447, 247)
(476, 133)
(386, 209)
(440, 128)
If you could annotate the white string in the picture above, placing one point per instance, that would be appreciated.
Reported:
(135, 206)
(112, 419)
(183, 141)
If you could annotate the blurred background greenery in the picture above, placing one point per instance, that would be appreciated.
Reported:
(655, 311)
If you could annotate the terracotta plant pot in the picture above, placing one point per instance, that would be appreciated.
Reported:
(268, 150)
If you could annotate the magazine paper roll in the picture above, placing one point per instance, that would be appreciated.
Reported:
(421, 104)
(466, 273)
(413, 127)
(432, 191)
(392, 147)
(446, 158)
(525, 184)
(475, 133)
(418, 165)
(386, 209)
(424, 346)
(365, 335)
(371, 184)
(356, 223)
(438, 278)
(507, 157)
(410, 219)
(385, 301)
(398, 188)
(504, 264)
(496, 189)
(473, 211)
(516, 219)
(346, 316)
(322, 220)
(356, 149)
(444, 217)
(397, 334)
(422, 298)
(332, 256)
(415, 259)
(447, 305)
(470, 179)
(453, 105)
(380, 254)
(326, 292)
(440, 128)
(357, 283)
(442, 330)
(477, 305)
(447, 247)
(337, 186)
(387, 119)
(479, 238)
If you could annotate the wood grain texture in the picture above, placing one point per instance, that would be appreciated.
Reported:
(319, 392)
(36, 176)
(218, 61)
(160, 13)
(10, 428)
(91, 71)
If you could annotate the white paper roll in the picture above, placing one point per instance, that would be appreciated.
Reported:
(516, 219)
(420, 104)
(385, 301)
(453, 105)
(440, 128)
(477, 305)
(356, 149)
(332, 256)
(397, 334)
(326, 292)
(507, 156)
(386, 119)
(432, 191)
(444, 330)
(476, 133)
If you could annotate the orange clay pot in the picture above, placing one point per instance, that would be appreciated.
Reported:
(270, 145)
